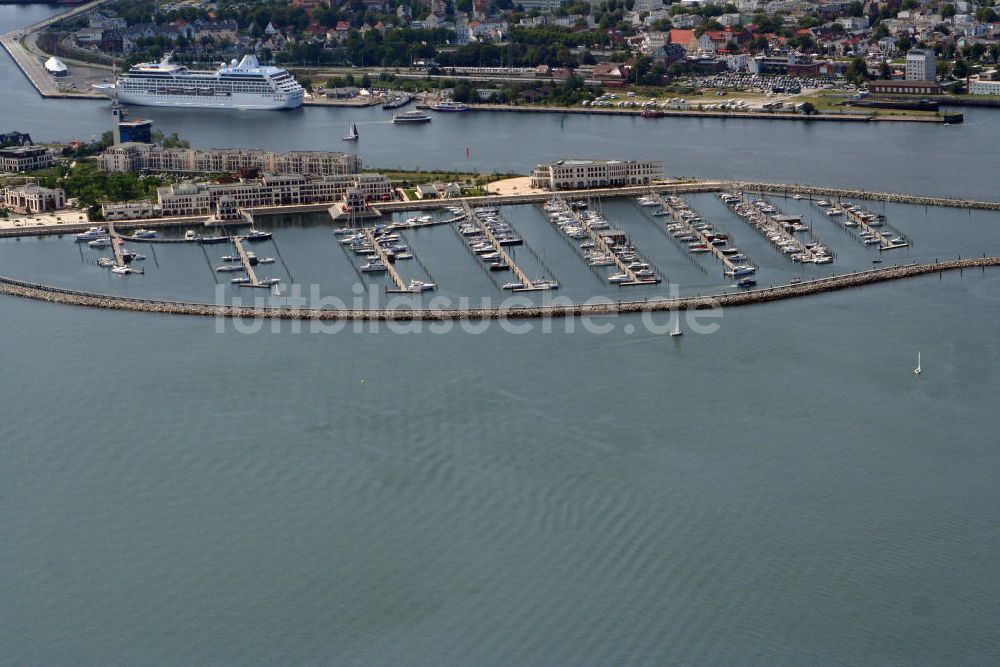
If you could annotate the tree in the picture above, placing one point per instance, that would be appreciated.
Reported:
(808, 108)
(986, 15)
(462, 92)
(855, 9)
(961, 69)
(947, 10)
(857, 71)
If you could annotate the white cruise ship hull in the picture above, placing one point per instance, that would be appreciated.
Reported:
(234, 101)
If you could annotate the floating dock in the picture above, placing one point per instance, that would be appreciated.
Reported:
(862, 222)
(776, 233)
(116, 244)
(675, 215)
(601, 244)
(527, 285)
(248, 265)
(384, 258)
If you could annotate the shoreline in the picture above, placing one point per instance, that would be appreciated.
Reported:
(735, 115)
(52, 294)
(676, 187)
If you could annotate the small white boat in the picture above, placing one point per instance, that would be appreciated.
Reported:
(917, 370)
(90, 235)
(352, 133)
(676, 331)
(145, 234)
(373, 267)
(420, 286)
(100, 243)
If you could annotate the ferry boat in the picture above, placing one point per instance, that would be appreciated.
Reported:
(410, 117)
(243, 85)
(449, 106)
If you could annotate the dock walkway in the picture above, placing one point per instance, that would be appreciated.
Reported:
(384, 258)
(699, 234)
(527, 285)
(884, 242)
(245, 259)
(778, 236)
(116, 244)
(602, 245)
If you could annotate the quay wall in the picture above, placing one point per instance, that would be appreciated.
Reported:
(675, 187)
(13, 287)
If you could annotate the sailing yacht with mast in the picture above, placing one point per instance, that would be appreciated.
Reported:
(352, 133)
(917, 370)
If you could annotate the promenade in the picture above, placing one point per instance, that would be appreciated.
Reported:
(672, 188)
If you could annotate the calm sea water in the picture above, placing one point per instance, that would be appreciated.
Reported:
(783, 491)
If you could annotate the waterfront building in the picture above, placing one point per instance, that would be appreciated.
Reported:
(25, 158)
(921, 65)
(582, 174)
(132, 210)
(138, 157)
(32, 198)
(899, 87)
(15, 139)
(984, 87)
(190, 198)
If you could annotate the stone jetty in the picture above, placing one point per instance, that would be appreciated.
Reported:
(52, 294)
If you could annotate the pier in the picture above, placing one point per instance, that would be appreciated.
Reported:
(776, 233)
(675, 215)
(384, 258)
(31, 66)
(116, 244)
(247, 264)
(863, 223)
(527, 285)
(602, 245)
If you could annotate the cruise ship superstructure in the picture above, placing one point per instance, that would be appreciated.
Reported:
(243, 85)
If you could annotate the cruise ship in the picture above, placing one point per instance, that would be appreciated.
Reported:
(243, 85)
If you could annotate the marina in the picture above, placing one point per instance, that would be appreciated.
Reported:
(871, 225)
(487, 237)
(605, 247)
(687, 227)
(779, 230)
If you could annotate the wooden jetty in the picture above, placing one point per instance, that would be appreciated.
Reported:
(697, 233)
(601, 244)
(384, 258)
(247, 265)
(884, 242)
(778, 236)
(116, 244)
(527, 285)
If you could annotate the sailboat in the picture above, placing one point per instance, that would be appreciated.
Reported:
(676, 331)
(352, 134)
(917, 371)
